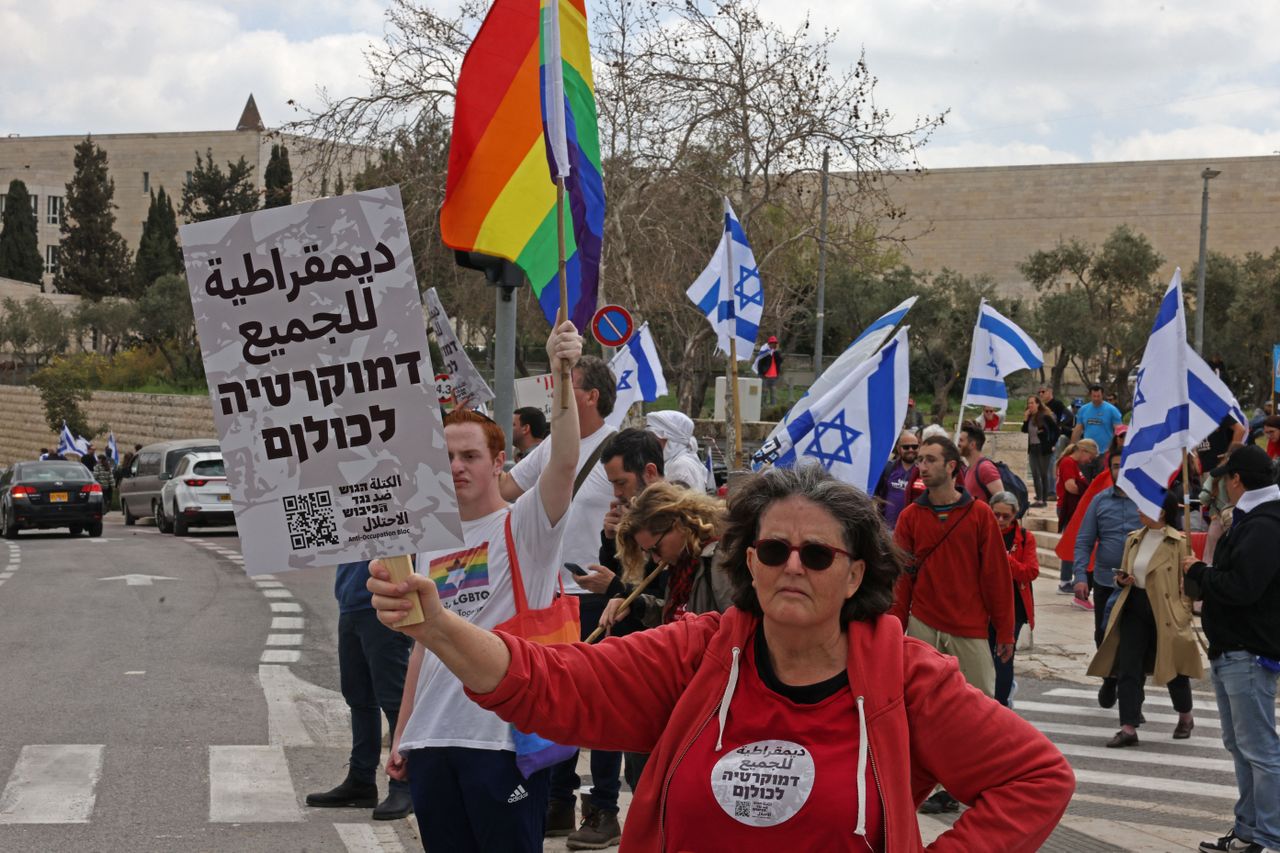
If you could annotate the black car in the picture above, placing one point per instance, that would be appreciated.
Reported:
(50, 494)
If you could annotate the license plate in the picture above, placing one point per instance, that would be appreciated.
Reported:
(57, 497)
(225, 498)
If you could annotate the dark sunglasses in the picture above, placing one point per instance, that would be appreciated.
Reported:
(813, 555)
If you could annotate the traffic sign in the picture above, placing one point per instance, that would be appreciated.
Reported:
(444, 388)
(612, 326)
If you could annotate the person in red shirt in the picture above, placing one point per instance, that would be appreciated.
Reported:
(981, 476)
(991, 418)
(799, 716)
(769, 368)
(1271, 431)
(1070, 488)
(1024, 565)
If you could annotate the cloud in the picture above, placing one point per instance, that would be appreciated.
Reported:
(1189, 142)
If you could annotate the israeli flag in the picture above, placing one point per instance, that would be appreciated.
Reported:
(68, 443)
(113, 451)
(729, 291)
(852, 429)
(711, 472)
(999, 348)
(863, 347)
(639, 375)
(1177, 402)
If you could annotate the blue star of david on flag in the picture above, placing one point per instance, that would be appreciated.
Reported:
(845, 436)
(745, 298)
(624, 381)
(1138, 397)
(999, 348)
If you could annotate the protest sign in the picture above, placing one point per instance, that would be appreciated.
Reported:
(469, 388)
(323, 392)
(536, 391)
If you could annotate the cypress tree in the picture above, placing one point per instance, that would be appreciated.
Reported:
(339, 188)
(158, 252)
(94, 259)
(278, 178)
(19, 248)
(212, 193)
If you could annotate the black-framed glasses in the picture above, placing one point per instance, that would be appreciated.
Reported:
(652, 551)
(813, 555)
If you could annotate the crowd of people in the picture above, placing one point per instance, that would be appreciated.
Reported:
(801, 658)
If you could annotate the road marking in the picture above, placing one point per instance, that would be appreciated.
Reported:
(137, 580)
(1158, 696)
(287, 623)
(1180, 810)
(52, 783)
(277, 593)
(300, 713)
(1109, 713)
(251, 784)
(265, 577)
(1104, 733)
(280, 656)
(1137, 756)
(269, 584)
(136, 672)
(1154, 783)
(284, 639)
(4, 576)
(363, 838)
(285, 607)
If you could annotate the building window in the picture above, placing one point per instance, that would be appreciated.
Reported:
(54, 210)
(3, 197)
(51, 259)
(35, 206)
(146, 182)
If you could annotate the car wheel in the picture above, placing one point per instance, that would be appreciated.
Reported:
(10, 527)
(95, 528)
(157, 512)
(129, 518)
(179, 522)
(74, 530)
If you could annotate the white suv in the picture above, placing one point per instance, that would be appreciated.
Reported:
(196, 494)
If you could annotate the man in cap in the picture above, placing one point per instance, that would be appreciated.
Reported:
(769, 367)
(1241, 617)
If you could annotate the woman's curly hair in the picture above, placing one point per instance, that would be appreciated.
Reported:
(865, 536)
(657, 509)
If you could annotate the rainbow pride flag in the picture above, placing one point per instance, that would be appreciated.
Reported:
(500, 198)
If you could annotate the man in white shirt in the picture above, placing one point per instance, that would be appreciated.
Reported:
(595, 390)
(459, 760)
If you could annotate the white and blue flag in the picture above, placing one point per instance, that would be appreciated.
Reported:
(1177, 401)
(113, 450)
(863, 347)
(69, 443)
(851, 431)
(999, 348)
(729, 291)
(711, 472)
(639, 375)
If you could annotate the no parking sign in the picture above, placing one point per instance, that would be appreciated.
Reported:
(612, 326)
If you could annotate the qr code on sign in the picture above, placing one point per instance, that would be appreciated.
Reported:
(311, 521)
(741, 809)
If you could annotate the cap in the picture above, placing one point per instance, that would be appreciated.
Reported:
(1250, 459)
(773, 339)
(1121, 429)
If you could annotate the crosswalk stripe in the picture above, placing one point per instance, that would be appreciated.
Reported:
(1155, 783)
(1178, 810)
(1137, 756)
(277, 593)
(285, 607)
(363, 838)
(1202, 720)
(52, 783)
(1104, 733)
(280, 656)
(1154, 694)
(251, 784)
(287, 623)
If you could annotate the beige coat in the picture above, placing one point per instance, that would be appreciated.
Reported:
(1176, 652)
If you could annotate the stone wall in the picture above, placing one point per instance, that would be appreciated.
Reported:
(134, 418)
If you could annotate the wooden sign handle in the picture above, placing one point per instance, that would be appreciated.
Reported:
(400, 568)
(626, 602)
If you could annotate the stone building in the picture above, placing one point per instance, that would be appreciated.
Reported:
(140, 163)
(988, 220)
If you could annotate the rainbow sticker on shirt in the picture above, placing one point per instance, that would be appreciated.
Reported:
(460, 571)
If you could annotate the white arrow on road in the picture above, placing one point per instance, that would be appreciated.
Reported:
(137, 580)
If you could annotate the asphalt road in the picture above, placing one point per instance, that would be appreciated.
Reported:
(188, 707)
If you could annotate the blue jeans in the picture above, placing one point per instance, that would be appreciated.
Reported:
(372, 660)
(1004, 671)
(1247, 708)
(476, 801)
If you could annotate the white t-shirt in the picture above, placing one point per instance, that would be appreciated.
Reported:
(1151, 540)
(586, 513)
(475, 583)
(686, 470)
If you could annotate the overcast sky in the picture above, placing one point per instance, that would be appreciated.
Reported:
(1037, 81)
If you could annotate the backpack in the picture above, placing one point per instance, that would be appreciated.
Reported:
(1013, 484)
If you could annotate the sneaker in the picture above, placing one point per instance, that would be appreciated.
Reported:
(397, 805)
(1066, 588)
(1082, 603)
(351, 794)
(939, 803)
(560, 818)
(1229, 842)
(600, 829)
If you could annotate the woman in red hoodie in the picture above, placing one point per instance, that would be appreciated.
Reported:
(1024, 566)
(801, 716)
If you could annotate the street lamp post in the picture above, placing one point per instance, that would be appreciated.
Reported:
(1207, 175)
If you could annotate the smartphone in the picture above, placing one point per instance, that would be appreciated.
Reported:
(576, 570)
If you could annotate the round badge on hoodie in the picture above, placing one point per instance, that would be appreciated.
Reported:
(763, 783)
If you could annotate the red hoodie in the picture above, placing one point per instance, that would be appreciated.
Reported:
(656, 691)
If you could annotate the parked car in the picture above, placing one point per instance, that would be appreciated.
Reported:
(196, 495)
(42, 495)
(146, 474)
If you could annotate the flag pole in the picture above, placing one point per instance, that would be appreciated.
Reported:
(565, 379)
(734, 421)
(1186, 496)
(964, 388)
